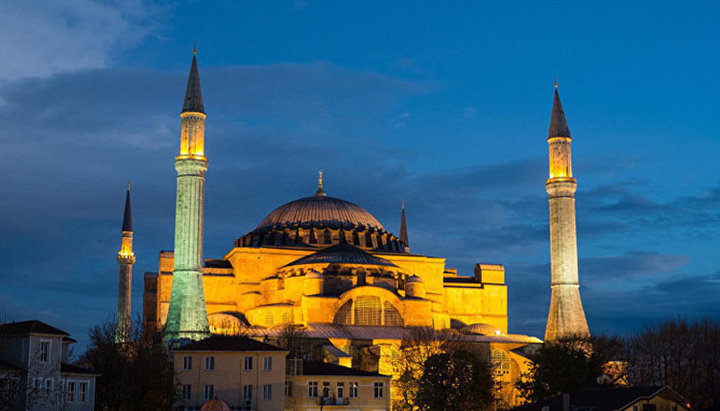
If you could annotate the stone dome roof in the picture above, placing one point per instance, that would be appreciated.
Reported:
(320, 211)
(320, 221)
(342, 254)
(415, 279)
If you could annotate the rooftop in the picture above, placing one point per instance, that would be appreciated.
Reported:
(604, 399)
(228, 343)
(30, 327)
(342, 254)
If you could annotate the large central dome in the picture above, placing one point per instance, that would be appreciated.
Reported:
(321, 221)
(321, 211)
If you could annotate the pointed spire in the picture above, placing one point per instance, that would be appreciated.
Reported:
(193, 94)
(127, 218)
(558, 124)
(403, 229)
(320, 192)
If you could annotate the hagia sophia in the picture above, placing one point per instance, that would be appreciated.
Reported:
(329, 267)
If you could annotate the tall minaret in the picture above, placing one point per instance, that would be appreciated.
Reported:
(187, 315)
(566, 317)
(126, 259)
(403, 229)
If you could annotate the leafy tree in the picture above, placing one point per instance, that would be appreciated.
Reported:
(455, 380)
(135, 375)
(570, 364)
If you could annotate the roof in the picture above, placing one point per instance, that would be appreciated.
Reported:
(558, 124)
(320, 210)
(601, 399)
(228, 343)
(342, 253)
(193, 95)
(73, 369)
(30, 327)
(127, 217)
(325, 368)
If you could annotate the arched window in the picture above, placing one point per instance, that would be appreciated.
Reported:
(268, 319)
(344, 314)
(392, 316)
(367, 311)
(286, 319)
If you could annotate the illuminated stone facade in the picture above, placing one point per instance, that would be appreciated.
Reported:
(566, 317)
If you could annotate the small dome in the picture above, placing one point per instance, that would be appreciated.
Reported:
(414, 279)
(481, 329)
(313, 274)
(216, 405)
(341, 254)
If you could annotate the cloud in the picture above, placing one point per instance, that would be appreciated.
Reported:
(43, 38)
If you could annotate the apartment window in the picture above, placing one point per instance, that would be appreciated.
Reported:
(82, 391)
(267, 392)
(267, 363)
(44, 351)
(289, 386)
(312, 389)
(379, 387)
(71, 391)
(187, 363)
(209, 363)
(354, 389)
(247, 392)
(209, 391)
(187, 392)
(340, 389)
(248, 363)
(48, 387)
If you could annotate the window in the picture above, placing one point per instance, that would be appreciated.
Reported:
(209, 363)
(247, 392)
(187, 363)
(340, 389)
(267, 392)
(267, 363)
(288, 388)
(44, 351)
(248, 363)
(378, 389)
(209, 391)
(48, 387)
(187, 392)
(71, 391)
(354, 389)
(82, 391)
(326, 389)
(312, 389)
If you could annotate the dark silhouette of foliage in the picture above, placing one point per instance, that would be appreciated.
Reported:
(455, 380)
(136, 375)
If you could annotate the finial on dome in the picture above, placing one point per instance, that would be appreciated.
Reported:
(320, 192)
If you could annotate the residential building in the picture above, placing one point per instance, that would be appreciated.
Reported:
(244, 373)
(34, 369)
(613, 399)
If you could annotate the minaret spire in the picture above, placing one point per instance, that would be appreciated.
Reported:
(566, 317)
(187, 314)
(403, 229)
(125, 259)
(320, 192)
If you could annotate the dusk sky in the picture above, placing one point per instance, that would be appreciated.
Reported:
(443, 104)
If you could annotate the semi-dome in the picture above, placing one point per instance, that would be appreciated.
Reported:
(320, 221)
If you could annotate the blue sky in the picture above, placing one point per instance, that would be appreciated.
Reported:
(444, 105)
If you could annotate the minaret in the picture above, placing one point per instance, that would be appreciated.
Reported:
(566, 317)
(187, 315)
(403, 229)
(126, 259)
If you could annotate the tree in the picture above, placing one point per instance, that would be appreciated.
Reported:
(570, 364)
(684, 356)
(417, 348)
(455, 380)
(135, 375)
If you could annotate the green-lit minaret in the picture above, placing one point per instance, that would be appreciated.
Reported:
(187, 316)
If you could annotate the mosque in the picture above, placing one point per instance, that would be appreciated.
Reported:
(329, 267)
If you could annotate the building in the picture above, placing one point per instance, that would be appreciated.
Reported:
(314, 383)
(34, 369)
(613, 399)
(242, 372)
